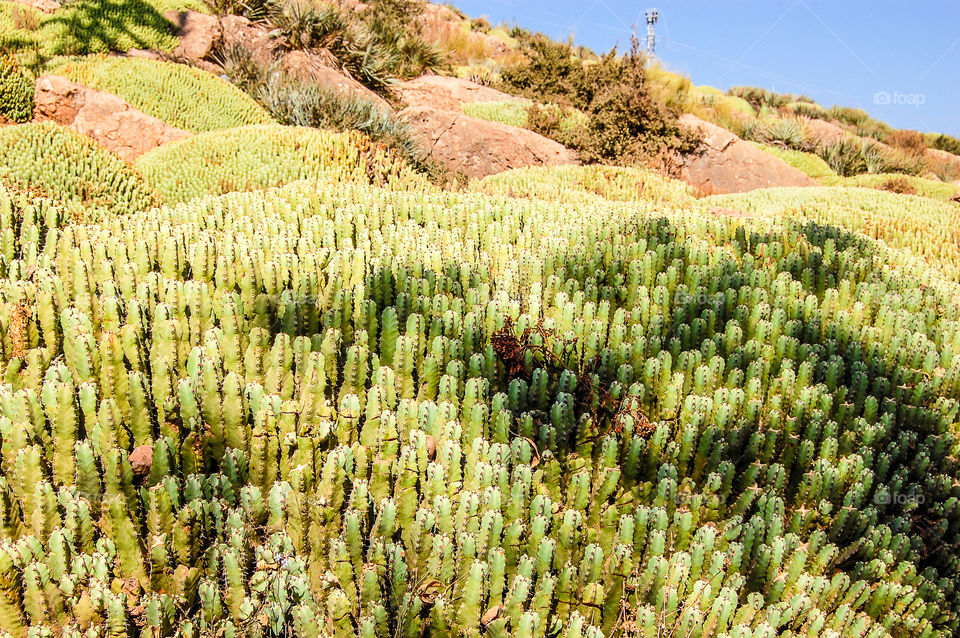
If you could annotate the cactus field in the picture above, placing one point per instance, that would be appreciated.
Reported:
(273, 381)
(331, 410)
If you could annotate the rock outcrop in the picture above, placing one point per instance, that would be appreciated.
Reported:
(948, 163)
(202, 35)
(824, 132)
(308, 66)
(446, 93)
(477, 148)
(199, 34)
(731, 165)
(106, 118)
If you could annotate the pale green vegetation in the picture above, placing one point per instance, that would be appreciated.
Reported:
(911, 184)
(257, 157)
(49, 161)
(185, 97)
(584, 183)
(810, 163)
(515, 113)
(927, 228)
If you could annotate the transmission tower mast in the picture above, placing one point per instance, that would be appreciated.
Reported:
(652, 16)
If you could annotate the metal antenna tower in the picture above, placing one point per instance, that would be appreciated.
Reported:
(652, 16)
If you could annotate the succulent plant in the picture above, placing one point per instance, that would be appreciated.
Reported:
(337, 409)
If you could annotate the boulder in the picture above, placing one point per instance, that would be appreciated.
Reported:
(260, 41)
(728, 164)
(104, 117)
(824, 132)
(199, 34)
(309, 66)
(441, 92)
(438, 23)
(47, 6)
(944, 162)
(477, 148)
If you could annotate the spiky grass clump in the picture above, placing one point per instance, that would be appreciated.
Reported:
(48, 160)
(312, 105)
(373, 45)
(853, 156)
(183, 96)
(786, 132)
(258, 157)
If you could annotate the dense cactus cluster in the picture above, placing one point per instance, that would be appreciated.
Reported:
(922, 186)
(595, 183)
(255, 157)
(182, 96)
(91, 26)
(924, 227)
(340, 410)
(16, 92)
(48, 160)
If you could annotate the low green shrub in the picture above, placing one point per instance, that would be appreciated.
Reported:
(625, 121)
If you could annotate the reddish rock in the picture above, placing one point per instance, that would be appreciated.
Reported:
(104, 117)
(824, 132)
(308, 66)
(945, 161)
(142, 460)
(437, 23)
(478, 148)
(441, 92)
(260, 41)
(199, 34)
(47, 6)
(731, 165)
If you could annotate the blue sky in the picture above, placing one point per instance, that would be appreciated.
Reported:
(897, 59)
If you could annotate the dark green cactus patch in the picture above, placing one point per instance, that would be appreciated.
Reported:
(16, 92)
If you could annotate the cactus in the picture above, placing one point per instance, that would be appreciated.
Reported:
(713, 426)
